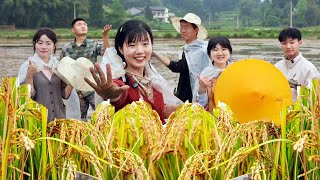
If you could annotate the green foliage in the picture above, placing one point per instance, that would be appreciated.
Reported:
(117, 14)
(148, 13)
(96, 11)
(251, 13)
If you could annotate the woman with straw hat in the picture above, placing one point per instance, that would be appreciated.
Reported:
(193, 57)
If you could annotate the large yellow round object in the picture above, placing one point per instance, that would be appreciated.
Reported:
(254, 89)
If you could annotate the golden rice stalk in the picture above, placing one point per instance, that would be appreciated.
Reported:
(89, 156)
(130, 164)
(240, 155)
(69, 169)
(20, 137)
(256, 169)
(101, 117)
(136, 122)
(307, 139)
(315, 158)
(197, 164)
(225, 118)
(249, 134)
(190, 126)
(316, 111)
(83, 130)
(78, 133)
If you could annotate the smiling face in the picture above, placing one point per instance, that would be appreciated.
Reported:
(290, 47)
(220, 55)
(44, 47)
(137, 54)
(188, 32)
(80, 28)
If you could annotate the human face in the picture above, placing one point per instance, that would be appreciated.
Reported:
(220, 55)
(187, 32)
(290, 47)
(137, 54)
(80, 28)
(44, 47)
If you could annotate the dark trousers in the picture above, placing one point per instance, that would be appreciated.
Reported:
(85, 101)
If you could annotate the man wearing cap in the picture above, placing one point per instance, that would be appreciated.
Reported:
(193, 57)
(90, 49)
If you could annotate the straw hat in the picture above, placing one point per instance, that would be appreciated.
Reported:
(73, 72)
(254, 89)
(191, 18)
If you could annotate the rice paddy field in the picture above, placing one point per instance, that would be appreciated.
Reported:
(133, 144)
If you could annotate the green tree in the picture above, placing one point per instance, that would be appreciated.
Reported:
(117, 15)
(248, 11)
(269, 15)
(302, 12)
(312, 16)
(148, 13)
(96, 12)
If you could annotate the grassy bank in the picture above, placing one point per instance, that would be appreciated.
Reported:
(259, 32)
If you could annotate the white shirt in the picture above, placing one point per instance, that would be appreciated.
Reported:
(299, 70)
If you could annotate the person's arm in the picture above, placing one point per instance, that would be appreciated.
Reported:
(204, 82)
(203, 99)
(174, 66)
(68, 90)
(161, 58)
(106, 88)
(32, 69)
(105, 37)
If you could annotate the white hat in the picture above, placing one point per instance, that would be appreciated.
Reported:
(191, 18)
(73, 72)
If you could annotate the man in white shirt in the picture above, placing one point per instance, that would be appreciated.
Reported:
(297, 69)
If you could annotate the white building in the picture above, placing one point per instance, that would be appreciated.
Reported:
(159, 12)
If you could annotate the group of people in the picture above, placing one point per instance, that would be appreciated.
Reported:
(199, 65)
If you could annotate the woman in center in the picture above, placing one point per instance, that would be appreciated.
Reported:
(219, 50)
(133, 43)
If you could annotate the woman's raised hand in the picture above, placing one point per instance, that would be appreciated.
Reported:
(105, 87)
(204, 82)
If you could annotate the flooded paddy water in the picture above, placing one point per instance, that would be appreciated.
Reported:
(14, 52)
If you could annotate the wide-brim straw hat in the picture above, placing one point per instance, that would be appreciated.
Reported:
(191, 18)
(254, 89)
(73, 72)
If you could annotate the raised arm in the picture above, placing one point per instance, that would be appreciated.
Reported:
(174, 66)
(105, 36)
(105, 87)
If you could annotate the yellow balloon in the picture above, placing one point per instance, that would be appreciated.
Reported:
(254, 89)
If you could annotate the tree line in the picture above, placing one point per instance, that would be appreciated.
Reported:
(59, 13)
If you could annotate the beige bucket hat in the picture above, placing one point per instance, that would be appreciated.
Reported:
(73, 72)
(191, 18)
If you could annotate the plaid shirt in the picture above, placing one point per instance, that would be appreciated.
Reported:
(89, 49)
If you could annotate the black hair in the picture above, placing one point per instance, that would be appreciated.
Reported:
(289, 32)
(131, 31)
(49, 33)
(76, 20)
(223, 41)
